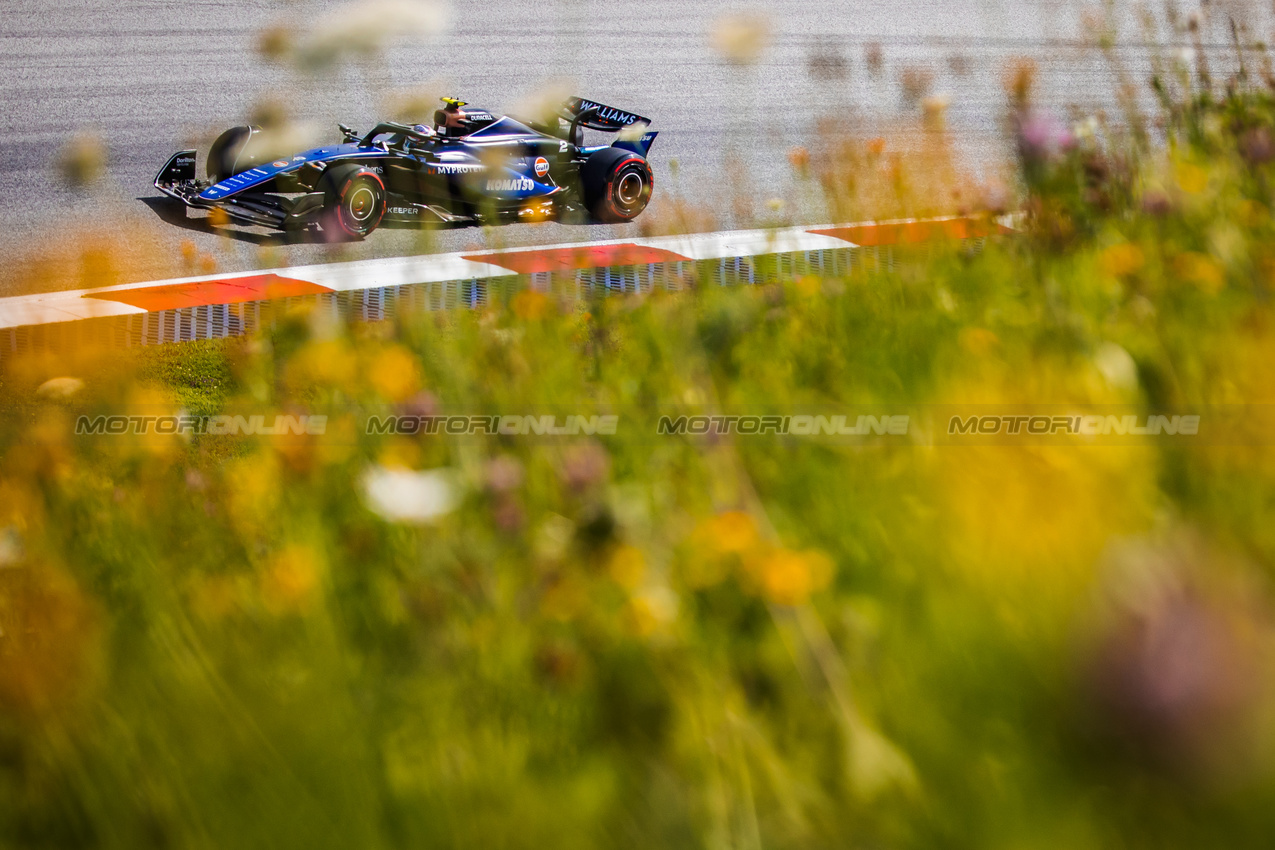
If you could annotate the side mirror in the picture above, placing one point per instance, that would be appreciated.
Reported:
(349, 134)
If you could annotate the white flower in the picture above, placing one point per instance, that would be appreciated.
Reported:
(363, 27)
(741, 38)
(60, 387)
(10, 548)
(402, 495)
(1117, 366)
(1086, 129)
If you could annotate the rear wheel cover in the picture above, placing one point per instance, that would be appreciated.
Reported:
(617, 185)
(362, 204)
(355, 200)
(629, 189)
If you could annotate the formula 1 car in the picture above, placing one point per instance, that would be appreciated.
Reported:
(470, 167)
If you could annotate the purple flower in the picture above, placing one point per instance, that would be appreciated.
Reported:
(503, 473)
(508, 514)
(1257, 147)
(422, 404)
(1042, 137)
(584, 466)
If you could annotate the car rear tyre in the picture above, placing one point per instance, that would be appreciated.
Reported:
(354, 200)
(617, 184)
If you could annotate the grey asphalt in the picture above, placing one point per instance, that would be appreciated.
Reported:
(149, 76)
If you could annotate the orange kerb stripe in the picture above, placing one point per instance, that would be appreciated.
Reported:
(570, 259)
(872, 235)
(231, 290)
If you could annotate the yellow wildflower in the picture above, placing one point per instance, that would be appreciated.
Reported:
(627, 567)
(394, 374)
(530, 305)
(788, 577)
(292, 579)
(1200, 269)
(1122, 260)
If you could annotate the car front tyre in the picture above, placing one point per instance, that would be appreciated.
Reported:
(232, 153)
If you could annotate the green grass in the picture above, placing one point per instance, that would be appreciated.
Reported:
(198, 374)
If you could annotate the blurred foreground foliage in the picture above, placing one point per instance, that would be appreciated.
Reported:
(357, 640)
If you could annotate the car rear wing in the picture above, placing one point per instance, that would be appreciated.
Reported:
(598, 116)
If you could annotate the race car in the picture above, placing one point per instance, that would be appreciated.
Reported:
(471, 166)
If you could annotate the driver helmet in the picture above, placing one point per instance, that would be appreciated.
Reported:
(451, 116)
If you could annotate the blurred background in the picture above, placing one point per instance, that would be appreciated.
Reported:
(731, 88)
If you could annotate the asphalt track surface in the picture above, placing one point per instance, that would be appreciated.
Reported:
(148, 77)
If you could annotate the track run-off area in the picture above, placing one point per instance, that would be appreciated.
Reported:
(214, 306)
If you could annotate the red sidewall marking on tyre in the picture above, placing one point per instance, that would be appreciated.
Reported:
(610, 194)
(341, 202)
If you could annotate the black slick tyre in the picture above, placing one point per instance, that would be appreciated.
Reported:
(617, 184)
(353, 200)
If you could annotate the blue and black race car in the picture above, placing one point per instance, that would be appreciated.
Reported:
(469, 167)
